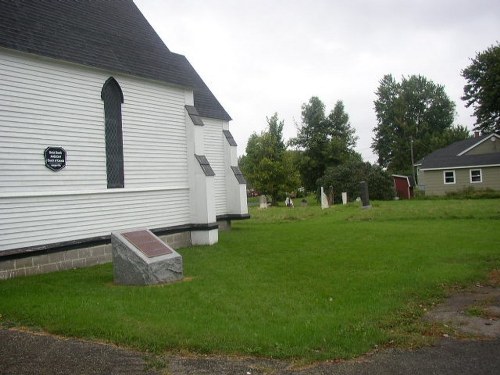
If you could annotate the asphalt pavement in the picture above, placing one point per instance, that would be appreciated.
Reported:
(29, 353)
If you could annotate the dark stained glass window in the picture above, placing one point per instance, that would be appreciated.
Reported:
(112, 97)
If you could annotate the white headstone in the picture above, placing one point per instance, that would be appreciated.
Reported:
(344, 198)
(324, 199)
(262, 201)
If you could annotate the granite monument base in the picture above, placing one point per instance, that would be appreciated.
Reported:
(141, 258)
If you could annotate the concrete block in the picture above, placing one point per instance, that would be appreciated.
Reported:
(108, 249)
(53, 267)
(78, 263)
(7, 265)
(71, 254)
(65, 265)
(40, 259)
(56, 257)
(104, 259)
(24, 262)
(84, 253)
(98, 250)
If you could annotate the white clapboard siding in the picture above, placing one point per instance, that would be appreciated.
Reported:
(154, 142)
(48, 104)
(214, 151)
(45, 103)
(51, 219)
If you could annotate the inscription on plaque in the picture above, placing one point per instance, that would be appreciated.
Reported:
(55, 158)
(147, 243)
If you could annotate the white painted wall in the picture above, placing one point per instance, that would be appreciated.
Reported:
(214, 151)
(236, 193)
(47, 103)
(43, 219)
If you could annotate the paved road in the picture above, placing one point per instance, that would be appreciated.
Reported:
(27, 353)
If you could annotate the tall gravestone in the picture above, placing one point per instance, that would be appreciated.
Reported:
(365, 201)
(344, 198)
(324, 199)
(330, 195)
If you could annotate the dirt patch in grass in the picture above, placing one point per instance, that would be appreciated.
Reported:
(473, 312)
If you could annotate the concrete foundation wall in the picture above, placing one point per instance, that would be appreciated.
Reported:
(85, 256)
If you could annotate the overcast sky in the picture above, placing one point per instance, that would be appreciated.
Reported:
(264, 56)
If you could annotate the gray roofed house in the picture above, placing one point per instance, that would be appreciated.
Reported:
(474, 162)
(102, 129)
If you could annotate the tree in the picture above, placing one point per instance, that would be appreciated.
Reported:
(409, 115)
(324, 140)
(267, 165)
(483, 89)
(450, 135)
(347, 176)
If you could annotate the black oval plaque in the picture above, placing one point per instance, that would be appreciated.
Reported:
(55, 158)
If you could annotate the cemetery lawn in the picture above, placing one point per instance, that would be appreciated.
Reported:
(289, 283)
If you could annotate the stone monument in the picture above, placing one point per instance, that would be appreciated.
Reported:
(330, 196)
(324, 199)
(141, 258)
(344, 198)
(262, 201)
(365, 201)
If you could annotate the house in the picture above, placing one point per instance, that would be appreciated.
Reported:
(473, 162)
(403, 185)
(103, 128)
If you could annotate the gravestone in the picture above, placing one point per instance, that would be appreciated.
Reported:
(330, 196)
(365, 201)
(262, 201)
(141, 258)
(344, 198)
(324, 199)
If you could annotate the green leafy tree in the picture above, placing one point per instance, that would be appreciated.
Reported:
(267, 165)
(410, 114)
(346, 177)
(450, 135)
(482, 90)
(323, 140)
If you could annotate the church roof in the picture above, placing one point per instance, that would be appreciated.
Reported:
(111, 34)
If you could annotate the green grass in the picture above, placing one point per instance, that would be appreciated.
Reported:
(288, 283)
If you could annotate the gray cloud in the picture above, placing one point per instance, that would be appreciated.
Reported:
(261, 57)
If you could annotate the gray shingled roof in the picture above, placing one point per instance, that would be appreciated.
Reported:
(448, 157)
(111, 34)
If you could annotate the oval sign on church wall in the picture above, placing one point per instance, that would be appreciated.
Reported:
(55, 158)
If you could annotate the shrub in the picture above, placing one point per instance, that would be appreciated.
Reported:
(346, 178)
(472, 193)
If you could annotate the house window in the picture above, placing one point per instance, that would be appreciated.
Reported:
(112, 97)
(476, 176)
(449, 177)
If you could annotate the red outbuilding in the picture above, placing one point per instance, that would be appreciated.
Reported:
(404, 186)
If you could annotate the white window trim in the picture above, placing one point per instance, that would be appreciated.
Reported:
(480, 176)
(454, 177)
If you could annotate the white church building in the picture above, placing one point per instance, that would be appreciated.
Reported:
(103, 128)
